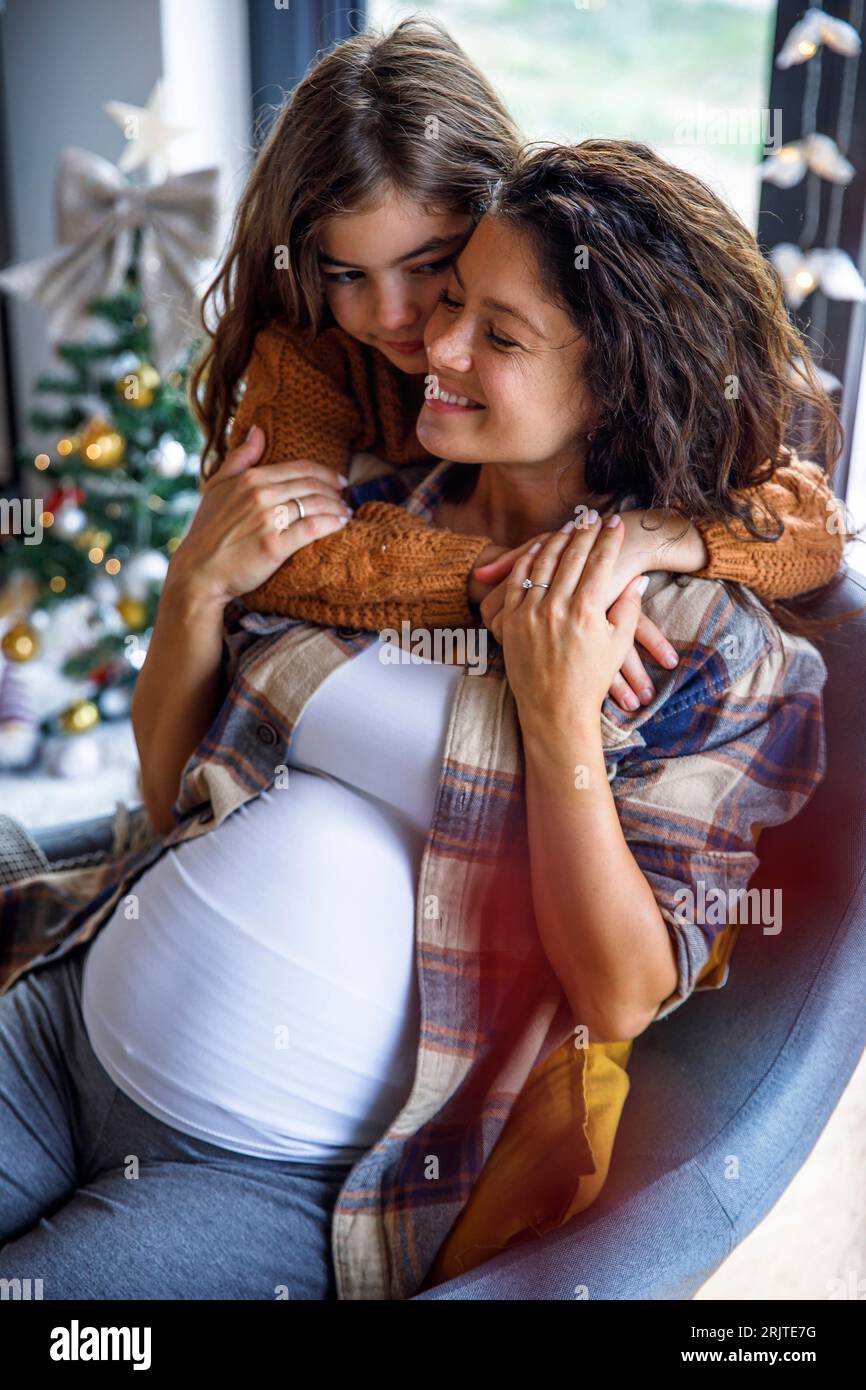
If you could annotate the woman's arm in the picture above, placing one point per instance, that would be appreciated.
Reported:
(596, 913)
(237, 537)
(177, 693)
(619, 908)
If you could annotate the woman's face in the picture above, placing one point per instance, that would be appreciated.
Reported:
(498, 342)
(382, 272)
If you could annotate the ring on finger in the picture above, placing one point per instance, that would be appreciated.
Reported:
(300, 506)
(557, 543)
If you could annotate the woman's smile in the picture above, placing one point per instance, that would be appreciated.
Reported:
(445, 397)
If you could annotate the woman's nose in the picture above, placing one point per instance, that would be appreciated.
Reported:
(450, 350)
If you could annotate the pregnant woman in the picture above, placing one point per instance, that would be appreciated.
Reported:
(274, 1056)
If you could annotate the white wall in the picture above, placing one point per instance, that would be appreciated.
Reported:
(62, 60)
(205, 55)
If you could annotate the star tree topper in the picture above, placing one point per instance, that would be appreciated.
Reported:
(148, 133)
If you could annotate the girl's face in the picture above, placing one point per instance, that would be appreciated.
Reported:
(382, 272)
(509, 359)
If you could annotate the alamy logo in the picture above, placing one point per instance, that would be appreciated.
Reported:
(76, 1343)
(718, 906)
(18, 1289)
(22, 516)
(441, 644)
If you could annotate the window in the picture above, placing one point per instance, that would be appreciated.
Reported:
(688, 77)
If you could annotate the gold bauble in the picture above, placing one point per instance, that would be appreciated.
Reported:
(132, 611)
(20, 643)
(81, 716)
(138, 388)
(102, 446)
(85, 539)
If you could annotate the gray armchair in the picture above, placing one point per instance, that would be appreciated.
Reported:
(751, 1072)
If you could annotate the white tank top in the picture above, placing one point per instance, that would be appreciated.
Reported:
(265, 999)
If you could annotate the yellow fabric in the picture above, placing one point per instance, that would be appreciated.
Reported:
(552, 1158)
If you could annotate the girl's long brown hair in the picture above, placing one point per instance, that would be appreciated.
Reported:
(702, 383)
(404, 112)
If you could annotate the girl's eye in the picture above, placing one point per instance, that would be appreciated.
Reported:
(349, 277)
(342, 277)
(434, 267)
(500, 342)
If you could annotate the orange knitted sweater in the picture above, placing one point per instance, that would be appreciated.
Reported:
(328, 400)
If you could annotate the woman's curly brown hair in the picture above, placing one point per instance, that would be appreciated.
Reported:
(701, 381)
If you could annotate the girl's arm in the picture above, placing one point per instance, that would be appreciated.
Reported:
(806, 555)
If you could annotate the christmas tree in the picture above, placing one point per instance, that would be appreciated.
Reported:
(101, 514)
(117, 493)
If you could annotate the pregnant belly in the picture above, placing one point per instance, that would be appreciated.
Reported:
(269, 975)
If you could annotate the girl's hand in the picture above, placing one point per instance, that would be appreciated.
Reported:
(562, 648)
(638, 552)
(247, 523)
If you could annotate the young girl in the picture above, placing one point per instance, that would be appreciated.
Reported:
(364, 193)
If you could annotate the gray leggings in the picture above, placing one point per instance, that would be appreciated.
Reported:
(197, 1222)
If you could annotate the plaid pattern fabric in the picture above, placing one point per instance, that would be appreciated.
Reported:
(733, 742)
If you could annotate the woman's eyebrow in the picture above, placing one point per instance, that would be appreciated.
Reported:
(436, 243)
(503, 308)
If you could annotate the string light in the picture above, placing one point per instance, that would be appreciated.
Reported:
(805, 268)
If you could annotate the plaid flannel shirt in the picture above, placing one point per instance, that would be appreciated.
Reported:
(733, 742)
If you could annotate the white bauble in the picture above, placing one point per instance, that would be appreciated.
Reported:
(170, 459)
(69, 520)
(146, 568)
(115, 701)
(78, 756)
(19, 739)
(104, 590)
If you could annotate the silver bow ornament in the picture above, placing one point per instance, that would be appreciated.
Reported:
(97, 210)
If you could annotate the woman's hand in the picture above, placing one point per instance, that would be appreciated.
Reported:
(640, 550)
(247, 524)
(561, 645)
